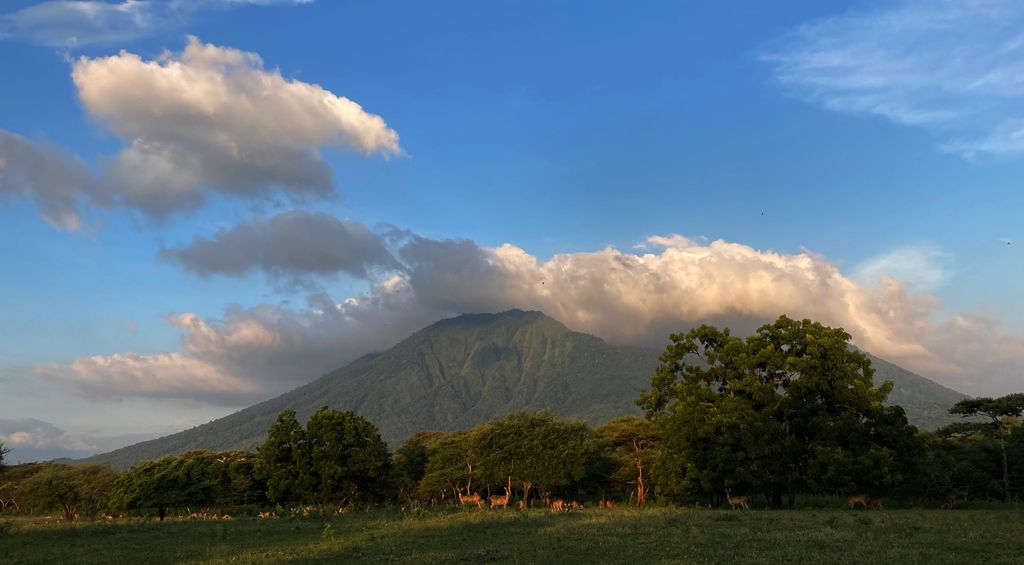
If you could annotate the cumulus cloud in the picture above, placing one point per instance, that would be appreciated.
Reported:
(165, 375)
(57, 182)
(288, 247)
(624, 297)
(214, 119)
(965, 86)
(74, 23)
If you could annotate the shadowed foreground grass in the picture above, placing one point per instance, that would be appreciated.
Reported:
(606, 536)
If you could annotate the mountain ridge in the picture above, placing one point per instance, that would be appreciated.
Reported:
(462, 371)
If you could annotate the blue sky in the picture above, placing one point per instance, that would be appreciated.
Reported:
(822, 144)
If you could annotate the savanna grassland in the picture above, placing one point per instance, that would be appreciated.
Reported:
(656, 535)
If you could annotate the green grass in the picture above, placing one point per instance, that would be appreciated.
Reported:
(659, 535)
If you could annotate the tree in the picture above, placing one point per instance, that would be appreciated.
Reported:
(284, 460)
(789, 407)
(196, 479)
(632, 444)
(348, 458)
(452, 464)
(4, 450)
(533, 449)
(83, 489)
(1002, 414)
(410, 462)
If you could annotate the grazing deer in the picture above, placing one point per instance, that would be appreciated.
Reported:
(874, 503)
(265, 515)
(225, 517)
(950, 502)
(469, 498)
(606, 504)
(734, 501)
(497, 501)
(856, 499)
(575, 505)
(558, 505)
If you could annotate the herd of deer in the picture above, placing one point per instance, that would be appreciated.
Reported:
(502, 501)
(853, 501)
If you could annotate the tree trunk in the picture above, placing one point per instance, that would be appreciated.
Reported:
(641, 491)
(1006, 468)
(526, 493)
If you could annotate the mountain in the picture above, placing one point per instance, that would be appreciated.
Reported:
(463, 371)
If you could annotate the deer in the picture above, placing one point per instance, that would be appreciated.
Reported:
(558, 505)
(502, 501)
(469, 498)
(874, 503)
(606, 504)
(856, 499)
(950, 502)
(734, 501)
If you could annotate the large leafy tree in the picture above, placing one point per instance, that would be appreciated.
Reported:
(452, 464)
(348, 458)
(410, 462)
(284, 460)
(791, 406)
(1001, 417)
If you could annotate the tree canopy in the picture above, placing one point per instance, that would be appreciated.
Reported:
(791, 406)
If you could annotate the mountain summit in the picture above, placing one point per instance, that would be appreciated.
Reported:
(463, 371)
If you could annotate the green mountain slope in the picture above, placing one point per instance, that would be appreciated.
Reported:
(466, 370)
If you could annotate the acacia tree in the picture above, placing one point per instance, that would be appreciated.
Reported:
(1002, 414)
(770, 411)
(534, 449)
(632, 444)
(452, 463)
(83, 489)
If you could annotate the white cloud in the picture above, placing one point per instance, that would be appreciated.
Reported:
(214, 119)
(74, 23)
(952, 66)
(624, 297)
(165, 375)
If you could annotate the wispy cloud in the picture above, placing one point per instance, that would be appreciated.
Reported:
(954, 67)
(922, 268)
(74, 23)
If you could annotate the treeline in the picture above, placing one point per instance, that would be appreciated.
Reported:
(789, 411)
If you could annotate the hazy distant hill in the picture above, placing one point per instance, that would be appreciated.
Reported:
(466, 370)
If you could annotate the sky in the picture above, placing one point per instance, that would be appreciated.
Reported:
(206, 203)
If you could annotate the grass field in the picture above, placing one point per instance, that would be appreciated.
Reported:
(659, 535)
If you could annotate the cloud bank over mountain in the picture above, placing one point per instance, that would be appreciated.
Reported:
(625, 297)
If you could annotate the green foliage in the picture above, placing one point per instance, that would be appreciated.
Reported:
(631, 446)
(284, 460)
(792, 406)
(533, 449)
(193, 480)
(83, 490)
(337, 458)
(347, 457)
(1003, 416)
(4, 450)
